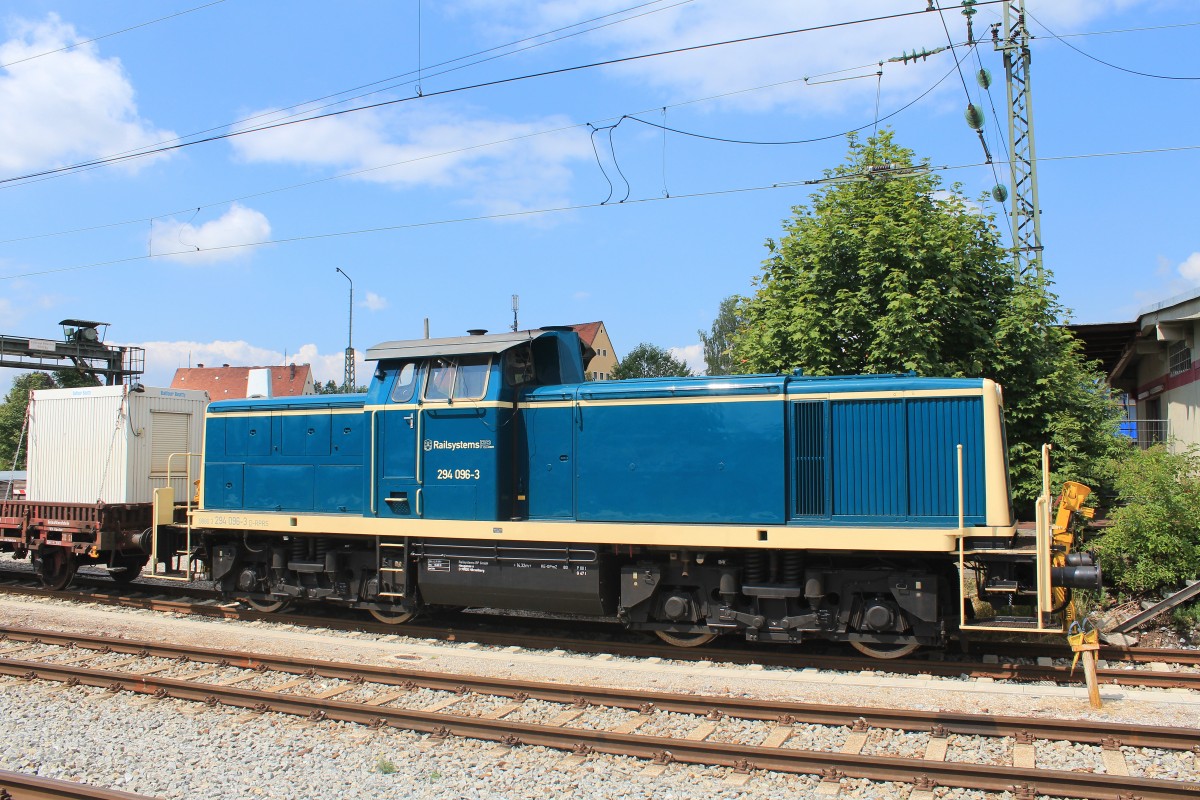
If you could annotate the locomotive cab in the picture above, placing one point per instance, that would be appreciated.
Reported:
(445, 435)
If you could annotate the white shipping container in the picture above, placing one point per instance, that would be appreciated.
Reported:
(111, 444)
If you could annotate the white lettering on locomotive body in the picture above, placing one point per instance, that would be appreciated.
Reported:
(458, 474)
(441, 444)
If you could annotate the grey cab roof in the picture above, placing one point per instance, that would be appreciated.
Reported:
(486, 344)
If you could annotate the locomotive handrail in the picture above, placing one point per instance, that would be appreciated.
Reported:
(187, 471)
(676, 391)
(961, 513)
(374, 436)
(1045, 600)
(169, 494)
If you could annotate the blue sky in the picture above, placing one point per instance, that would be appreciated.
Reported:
(504, 160)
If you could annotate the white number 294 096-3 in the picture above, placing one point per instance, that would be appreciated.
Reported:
(458, 474)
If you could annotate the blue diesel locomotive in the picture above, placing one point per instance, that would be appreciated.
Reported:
(483, 471)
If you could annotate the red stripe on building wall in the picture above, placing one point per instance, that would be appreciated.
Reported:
(1169, 382)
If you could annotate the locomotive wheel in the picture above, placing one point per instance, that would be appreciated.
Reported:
(392, 617)
(267, 606)
(884, 651)
(685, 639)
(57, 568)
(133, 569)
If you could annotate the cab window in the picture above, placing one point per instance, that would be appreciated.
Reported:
(406, 383)
(472, 378)
(462, 378)
(518, 366)
(441, 379)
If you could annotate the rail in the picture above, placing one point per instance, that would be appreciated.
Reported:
(442, 720)
(21, 786)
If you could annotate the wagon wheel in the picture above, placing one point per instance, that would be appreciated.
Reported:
(133, 566)
(685, 639)
(392, 616)
(56, 567)
(885, 651)
(267, 606)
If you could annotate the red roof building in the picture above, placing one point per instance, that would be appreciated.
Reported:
(594, 335)
(229, 383)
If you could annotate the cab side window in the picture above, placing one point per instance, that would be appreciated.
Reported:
(441, 379)
(472, 378)
(406, 383)
(518, 366)
(462, 378)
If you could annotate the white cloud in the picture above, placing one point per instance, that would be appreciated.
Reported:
(374, 302)
(163, 358)
(68, 106)
(524, 171)
(693, 354)
(1190, 268)
(20, 300)
(193, 244)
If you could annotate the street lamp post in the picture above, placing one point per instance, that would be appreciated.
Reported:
(349, 377)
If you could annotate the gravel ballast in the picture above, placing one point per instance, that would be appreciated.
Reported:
(176, 749)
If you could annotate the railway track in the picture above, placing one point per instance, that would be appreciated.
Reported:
(496, 631)
(20, 786)
(655, 726)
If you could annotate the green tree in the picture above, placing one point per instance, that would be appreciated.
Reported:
(12, 417)
(74, 379)
(880, 275)
(1154, 539)
(649, 361)
(329, 387)
(718, 342)
(896, 274)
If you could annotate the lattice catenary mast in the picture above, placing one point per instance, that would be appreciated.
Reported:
(1013, 43)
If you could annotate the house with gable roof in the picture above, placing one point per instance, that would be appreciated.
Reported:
(232, 383)
(594, 335)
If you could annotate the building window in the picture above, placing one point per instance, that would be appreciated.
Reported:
(1179, 358)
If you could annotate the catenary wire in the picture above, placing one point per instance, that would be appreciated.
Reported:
(987, 154)
(563, 128)
(307, 103)
(1000, 137)
(633, 116)
(1128, 30)
(862, 127)
(107, 35)
(551, 210)
(481, 85)
(1110, 64)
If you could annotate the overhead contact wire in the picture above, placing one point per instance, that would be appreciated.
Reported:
(553, 210)
(633, 117)
(73, 45)
(1109, 64)
(276, 112)
(481, 85)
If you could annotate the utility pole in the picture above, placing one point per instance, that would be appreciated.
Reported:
(516, 304)
(1026, 212)
(348, 377)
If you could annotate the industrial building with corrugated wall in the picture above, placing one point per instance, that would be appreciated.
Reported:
(112, 444)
